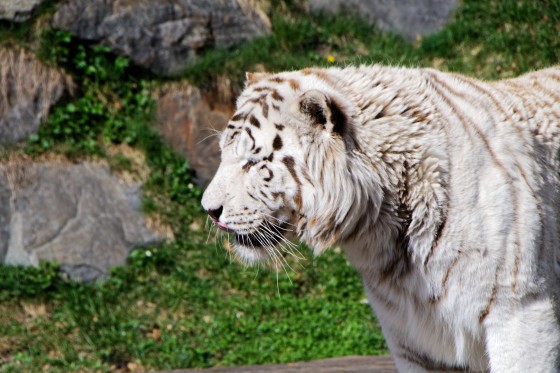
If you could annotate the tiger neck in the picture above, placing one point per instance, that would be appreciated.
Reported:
(400, 133)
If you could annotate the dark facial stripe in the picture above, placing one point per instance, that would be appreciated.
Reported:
(291, 166)
(248, 165)
(252, 196)
(254, 121)
(258, 99)
(233, 135)
(238, 116)
(270, 175)
(264, 109)
(277, 195)
(248, 130)
(277, 143)
(276, 96)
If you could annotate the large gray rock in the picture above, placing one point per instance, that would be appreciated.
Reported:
(410, 18)
(17, 10)
(191, 123)
(162, 35)
(28, 89)
(78, 215)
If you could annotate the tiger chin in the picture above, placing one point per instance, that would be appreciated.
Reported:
(441, 190)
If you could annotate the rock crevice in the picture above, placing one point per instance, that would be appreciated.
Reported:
(28, 89)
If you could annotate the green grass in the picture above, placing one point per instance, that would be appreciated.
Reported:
(185, 304)
(486, 39)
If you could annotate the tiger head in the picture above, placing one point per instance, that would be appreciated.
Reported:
(291, 165)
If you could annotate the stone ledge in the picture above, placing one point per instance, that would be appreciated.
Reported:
(348, 364)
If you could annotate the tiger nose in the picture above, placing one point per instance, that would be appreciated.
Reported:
(215, 214)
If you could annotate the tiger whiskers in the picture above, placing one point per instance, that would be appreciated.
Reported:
(286, 246)
(270, 249)
(209, 226)
(220, 239)
(276, 253)
(281, 221)
(216, 134)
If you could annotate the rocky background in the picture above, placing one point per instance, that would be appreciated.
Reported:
(78, 210)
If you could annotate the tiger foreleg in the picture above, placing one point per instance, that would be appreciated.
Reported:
(526, 339)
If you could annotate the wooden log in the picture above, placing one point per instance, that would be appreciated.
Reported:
(348, 364)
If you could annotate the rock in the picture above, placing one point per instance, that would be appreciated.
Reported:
(162, 35)
(17, 10)
(191, 125)
(410, 18)
(78, 215)
(28, 89)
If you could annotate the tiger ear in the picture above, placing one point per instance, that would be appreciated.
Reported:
(323, 111)
(252, 78)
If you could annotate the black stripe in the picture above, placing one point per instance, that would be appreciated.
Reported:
(277, 143)
(238, 116)
(277, 97)
(254, 121)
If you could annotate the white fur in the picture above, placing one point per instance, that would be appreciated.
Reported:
(441, 190)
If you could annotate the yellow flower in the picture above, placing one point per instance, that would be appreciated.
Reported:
(330, 58)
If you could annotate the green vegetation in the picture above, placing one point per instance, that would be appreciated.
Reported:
(112, 104)
(185, 304)
(182, 305)
(487, 39)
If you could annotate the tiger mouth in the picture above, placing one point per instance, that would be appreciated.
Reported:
(249, 240)
(265, 235)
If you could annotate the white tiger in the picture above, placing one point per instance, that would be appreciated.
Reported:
(441, 190)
